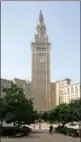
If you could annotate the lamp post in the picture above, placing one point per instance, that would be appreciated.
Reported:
(40, 121)
(59, 112)
(80, 129)
(80, 120)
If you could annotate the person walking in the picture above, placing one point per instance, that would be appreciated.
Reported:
(51, 129)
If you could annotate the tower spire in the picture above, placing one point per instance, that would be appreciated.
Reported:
(40, 18)
(41, 33)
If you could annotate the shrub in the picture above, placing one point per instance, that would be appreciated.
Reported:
(62, 130)
(75, 133)
(9, 131)
(67, 131)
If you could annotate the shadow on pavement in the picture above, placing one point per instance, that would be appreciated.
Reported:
(33, 136)
(40, 131)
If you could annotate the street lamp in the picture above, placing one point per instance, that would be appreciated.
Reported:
(80, 129)
(59, 112)
(80, 119)
(40, 120)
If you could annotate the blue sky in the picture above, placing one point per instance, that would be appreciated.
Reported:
(18, 22)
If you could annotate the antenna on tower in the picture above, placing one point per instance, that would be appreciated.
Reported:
(40, 18)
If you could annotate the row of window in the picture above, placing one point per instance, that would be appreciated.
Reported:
(76, 89)
(72, 90)
(40, 48)
(69, 99)
(61, 85)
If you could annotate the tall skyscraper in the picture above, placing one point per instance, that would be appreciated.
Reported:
(41, 67)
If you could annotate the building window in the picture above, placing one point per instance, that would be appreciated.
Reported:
(63, 84)
(61, 96)
(76, 89)
(60, 85)
(71, 89)
(68, 90)
(60, 92)
(40, 48)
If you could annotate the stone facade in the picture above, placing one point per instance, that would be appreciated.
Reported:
(4, 83)
(62, 91)
(53, 94)
(41, 67)
(66, 91)
(25, 85)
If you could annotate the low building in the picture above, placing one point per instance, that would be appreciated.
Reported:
(25, 85)
(66, 91)
(53, 94)
(28, 89)
(61, 91)
(4, 83)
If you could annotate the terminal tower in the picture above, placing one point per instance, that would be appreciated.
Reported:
(41, 67)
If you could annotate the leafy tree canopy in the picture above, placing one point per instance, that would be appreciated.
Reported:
(18, 107)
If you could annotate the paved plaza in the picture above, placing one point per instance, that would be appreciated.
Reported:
(43, 136)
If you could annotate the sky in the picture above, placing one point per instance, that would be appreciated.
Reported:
(18, 23)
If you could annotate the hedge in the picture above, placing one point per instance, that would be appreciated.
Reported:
(9, 131)
(67, 131)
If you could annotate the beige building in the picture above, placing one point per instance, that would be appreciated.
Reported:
(41, 67)
(53, 94)
(25, 85)
(4, 83)
(61, 91)
(66, 91)
(28, 89)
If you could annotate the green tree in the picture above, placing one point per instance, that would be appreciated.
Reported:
(75, 110)
(44, 116)
(65, 116)
(65, 113)
(54, 115)
(2, 110)
(19, 109)
(35, 116)
(60, 114)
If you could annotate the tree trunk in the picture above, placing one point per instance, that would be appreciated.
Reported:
(2, 122)
(59, 124)
(63, 124)
(19, 124)
(14, 129)
(39, 125)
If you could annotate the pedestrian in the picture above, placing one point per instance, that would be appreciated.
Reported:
(51, 129)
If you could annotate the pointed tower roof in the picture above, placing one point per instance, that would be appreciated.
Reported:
(40, 18)
(40, 33)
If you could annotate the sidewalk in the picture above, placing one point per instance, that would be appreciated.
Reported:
(43, 136)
